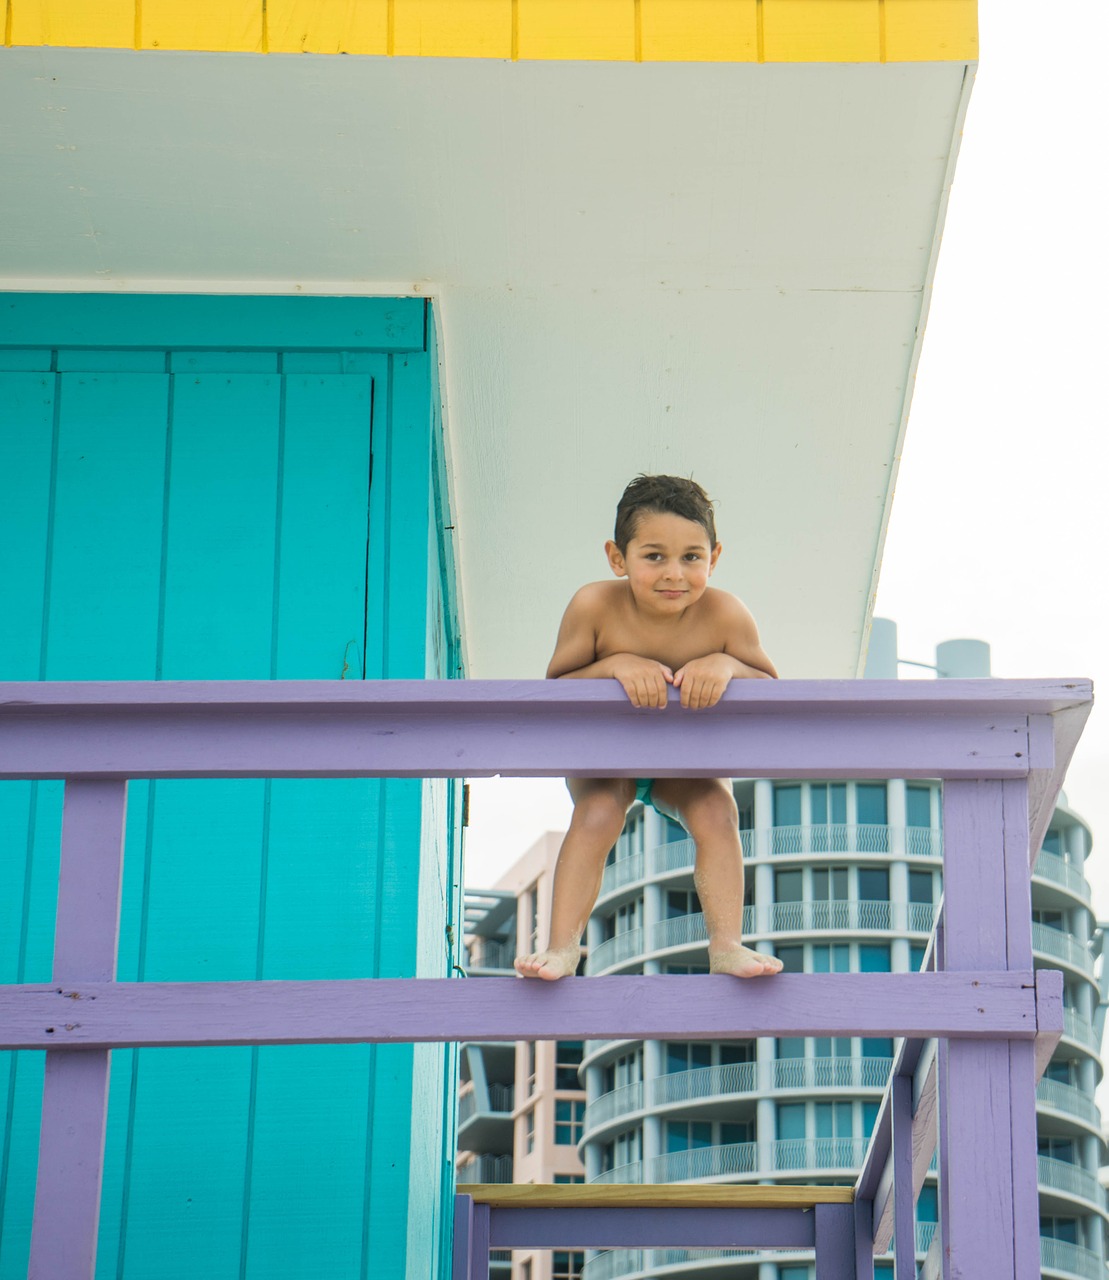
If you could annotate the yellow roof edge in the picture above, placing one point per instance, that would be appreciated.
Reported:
(779, 31)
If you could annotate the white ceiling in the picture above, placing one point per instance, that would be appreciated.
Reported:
(714, 269)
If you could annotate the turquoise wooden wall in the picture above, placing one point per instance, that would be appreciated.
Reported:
(209, 488)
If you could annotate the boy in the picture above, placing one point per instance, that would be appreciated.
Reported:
(662, 625)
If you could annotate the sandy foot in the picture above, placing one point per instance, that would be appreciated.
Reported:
(743, 963)
(549, 965)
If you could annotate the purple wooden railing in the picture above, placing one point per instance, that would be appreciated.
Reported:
(978, 1030)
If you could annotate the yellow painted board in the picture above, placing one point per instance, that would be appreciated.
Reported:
(448, 29)
(656, 1196)
(576, 29)
(327, 26)
(700, 30)
(230, 26)
(821, 30)
(83, 23)
(923, 30)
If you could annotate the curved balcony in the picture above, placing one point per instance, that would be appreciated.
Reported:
(738, 1079)
(1070, 1180)
(1067, 1261)
(866, 839)
(486, 1169)
(1081, 1031)
(729, 1160)
(1068, 1100)
(739, 1161)
(1056, 870)
(1063, 947)
(1070, 1260)
(776, 918)
(615, 951)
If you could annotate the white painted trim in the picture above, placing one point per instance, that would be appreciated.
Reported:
(335, 288)
(914, 359)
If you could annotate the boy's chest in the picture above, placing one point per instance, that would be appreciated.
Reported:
(672, 646)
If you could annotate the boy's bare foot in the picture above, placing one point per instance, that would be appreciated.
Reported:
(550, 965)
(743, 962)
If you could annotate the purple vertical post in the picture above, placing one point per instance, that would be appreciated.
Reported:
(471, 1239)
(835, 1242)
(75, 1093)
(988, 1204)
(864, 1238)
(904, 1229)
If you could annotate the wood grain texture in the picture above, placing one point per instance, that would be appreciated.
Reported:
(444, 28)
(76, 23)
(926, 30)
(317, 26)
(402, 1010)
(579, 29)
(835, 1242)
(815, 31)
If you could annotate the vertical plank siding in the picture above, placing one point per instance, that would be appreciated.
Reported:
(617, 30)
(182, 513)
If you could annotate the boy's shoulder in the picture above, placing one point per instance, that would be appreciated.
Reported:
(596, 595)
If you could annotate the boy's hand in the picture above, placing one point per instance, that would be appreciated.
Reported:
(643, 679)
(704, 680)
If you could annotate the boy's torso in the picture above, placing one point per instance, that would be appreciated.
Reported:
(620, 628)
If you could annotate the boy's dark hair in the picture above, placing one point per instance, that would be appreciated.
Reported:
(672, 495)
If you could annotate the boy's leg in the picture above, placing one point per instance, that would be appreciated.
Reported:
(706, 808)
(600, 806)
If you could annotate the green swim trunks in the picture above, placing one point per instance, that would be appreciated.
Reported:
(643, 790)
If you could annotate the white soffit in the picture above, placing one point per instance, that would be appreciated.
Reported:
(710, 269)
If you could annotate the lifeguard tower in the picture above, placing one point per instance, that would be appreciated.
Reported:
(327, 334)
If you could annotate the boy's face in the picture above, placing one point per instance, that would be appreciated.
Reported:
(667, 564)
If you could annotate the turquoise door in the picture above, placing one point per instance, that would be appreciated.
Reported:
(216, 514)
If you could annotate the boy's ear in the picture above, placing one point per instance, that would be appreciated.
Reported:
(616, 559)
(715, 556)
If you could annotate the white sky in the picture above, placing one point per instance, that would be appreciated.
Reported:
(999, 527)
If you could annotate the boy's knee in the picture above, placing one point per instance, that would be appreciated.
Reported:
(713, 811)
(604, 808)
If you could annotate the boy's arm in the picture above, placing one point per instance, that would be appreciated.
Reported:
(575, 657)
(702, 682)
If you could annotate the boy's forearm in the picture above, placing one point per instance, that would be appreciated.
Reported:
(602, 669)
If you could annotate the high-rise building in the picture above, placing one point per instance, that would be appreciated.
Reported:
(841, 876)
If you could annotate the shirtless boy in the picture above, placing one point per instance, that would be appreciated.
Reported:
(660, 625)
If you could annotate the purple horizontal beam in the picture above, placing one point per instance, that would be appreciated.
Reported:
(385, 1010)
(521, 728)
(685, 1227)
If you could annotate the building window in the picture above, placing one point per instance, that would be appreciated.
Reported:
(829, 804)
(682, 902)
(687, 1057)
(916, 957)
(921, 886)
(787, 806)
(567, 1265)
(870, 803)
(529, 1055)
(792, 958)
(832, 958)
(568, 1055)
(687, 1135)
(1060, 1229)
(788, 886)
(529, 1131)
(569, 1122)
(918, 806)
(829, 884)
(874, 884)
(874, 957)
(569, 1179)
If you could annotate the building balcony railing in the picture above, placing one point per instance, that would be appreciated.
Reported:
(739, 1161)
(486, 1169)
(775, 842)
(1070, 1100)
(1071, 1180)
(1054, 867)
(1057, 1256)
(1081, 1031)
(1062, 1258)
(499, 1102)
(493, 954)
(1062, 946)
(772, 919)
(739, 1079)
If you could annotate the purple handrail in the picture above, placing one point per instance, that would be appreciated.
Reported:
(1000, 746)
